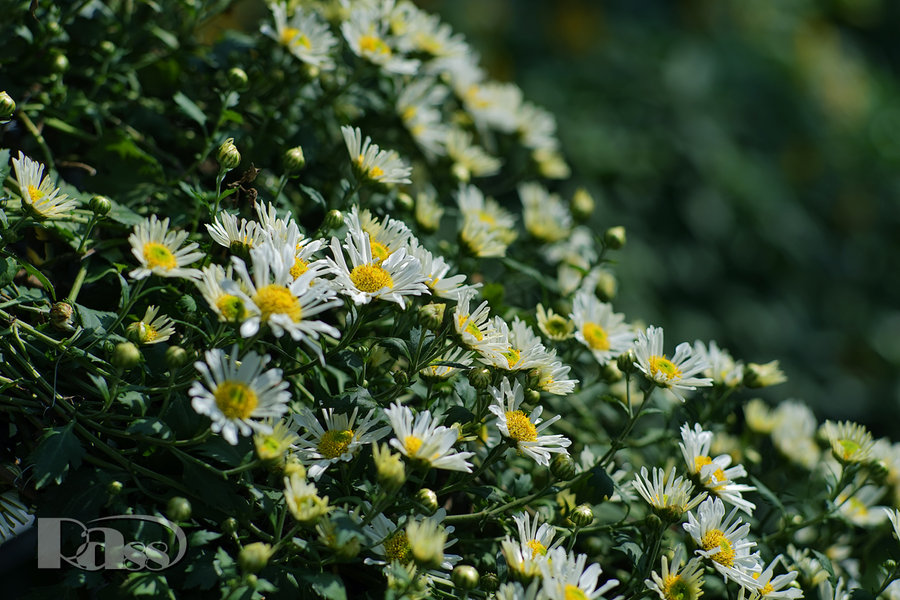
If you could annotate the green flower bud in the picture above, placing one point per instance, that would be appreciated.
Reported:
(179, 508)
(480, 377)
(611, 372)
(228, 155)
(229, 526)
(889, 565)
(254, 557)
(614, 238)
(405, 201)
(294, 161)
(138, 332)
(625, 362)
(333, 220)
(390, 467)
(252, 580)
(107, 47)
(61, 315)
(490, 582)
(432, 315)
(60, 63)
(114, 488)
(563, 467)
(125, 356)
(7, 105)
(428, 499)
(582, 516)
(101, 205)
(606, 286)
(582, 204)
(176, 357)
(237, 79)
(465, 577)
(533, 396)
(400, 377)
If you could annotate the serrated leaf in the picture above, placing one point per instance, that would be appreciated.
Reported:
(189, 108)
(151, 427)
(4, 164)
(147, 584)
(327, 586)
(202, 537)
(58, 450)
(596, 488)
(8, 269)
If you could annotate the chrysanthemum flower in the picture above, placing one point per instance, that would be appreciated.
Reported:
(394, 542)
(793, 433)
(368, 278)
(373, 163)
(604, 332)
(675, 374)
(475, 328)
(421, 31)
(303, 500)
(272, 446)
(428, 210)
(565, 577)
(522, 350)
(487, 228)
(159, 251)
(460, 356)
(722, 369)
(768, 586)
(40, 198)
(234, 393)
(228, 307)
(386, 236)
(435, 270)
(525, 553)
(677, 583)
(524, 430)
(546, 217)
(366, 34)
(417, 106)
(303, 34)
(667, 495)
(859, 505)
(552, 376)
(715, 474)
(421, 438)
(240, 238)
(340, 439)
(278, 229)
(850, 442)
(555, 326)
(151, 329)
(536, 127)
(469, 160)
(724, 541)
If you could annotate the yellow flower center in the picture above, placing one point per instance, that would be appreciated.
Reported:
(397, 547)
(661, 364)
(371, 278)
(34, 193)
(412, 444)
(676, 588)
(512, 356)
(373, 172)
(409, 113)
(276, 299)
(300, 267)
(372, 44)
(235, 399)
(335, 442)
(231, 307)
(715, 538)
(486, 217)
(848, 448)
(379, 250)
(520, 427)
(470, 327)
(766, 589)
(537, 548)
(717, 476)
(595, 336)
(558, 326)
(158, 255)
(291, 37)
(149, 334)
(573, 592)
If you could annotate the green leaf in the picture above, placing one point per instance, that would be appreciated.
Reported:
(8, 269)
(826, 564)
(596, 488)
(57, 451)
(202, 537)
(327, 586)
(40, 277)
(146, 583)
(151, 427)
(165, 37)
(4, 164)
(190, 109)
(313, 194)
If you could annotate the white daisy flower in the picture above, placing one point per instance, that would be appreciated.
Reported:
(428, 210)
(604, 332)
(422, 32)
(159, 251)
(554, 326)
(666, 494)
(304, 261)
(475, 327)
(151, 329)
(278, 229)
(565, 577)
(40, 198)
(373, 163)
(421, 438)
(340, 439)
(536, 127)
(228, 307)
(303, 500)
(366, 34)
(715, 474)
(850, 442)
(546, 217)
(860, 508)
(525, 430)
(769, 586)
(677, 583)
(723, 369)
(724, 541)
(460, 356)
(234, 393)
(675, 374)
(273, 297)
(523, 349)
(487, 228)
(392, 541)
(303, 34)
(525, 554)
(491, 104)
(385, 236)
(240, 238)
(793, 433)
(435, 270)
(552, 376)
(367, 278)
(418, 106)
(469, 160)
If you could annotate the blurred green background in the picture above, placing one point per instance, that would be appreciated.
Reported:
(752, 150)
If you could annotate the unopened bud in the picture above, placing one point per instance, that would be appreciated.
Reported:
(60, 63)
(480, 377)
(114, 488)
(582, 516)
(400, 377)
(237, 79)
(107, 47)
(390, 467)
(432, 315)
(465, 577)
(7, 105)
(101, 205)
(533, 396)
(333, 220)
(294, 160)
(405, 201)
(490, 582)
(229, 526)
(563, 467)
(139, 332)
(179, 509)
(61, 315)
(582, 204)
(125, 355)
(889, 565)
(610, 372)
(176, 357)
(614, 238)
(428, 499)
(606, 286)
(254, 557)
(625, 361)
(228, 155)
